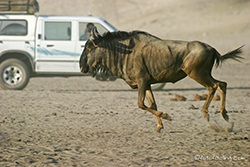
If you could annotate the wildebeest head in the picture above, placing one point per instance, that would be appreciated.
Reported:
(91, 56)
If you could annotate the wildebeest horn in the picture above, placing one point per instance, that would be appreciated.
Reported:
(94, 34)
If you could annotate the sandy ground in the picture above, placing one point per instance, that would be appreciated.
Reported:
(79, 121)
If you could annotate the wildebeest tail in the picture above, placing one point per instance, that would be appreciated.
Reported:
(230, 55)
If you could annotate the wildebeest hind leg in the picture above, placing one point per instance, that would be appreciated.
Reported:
(211, 85)
(223, 88)
(141, 97)
(211, 92)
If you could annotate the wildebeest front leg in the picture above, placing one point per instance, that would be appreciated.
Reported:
(152, 105)
(151, 99)
(141, 97)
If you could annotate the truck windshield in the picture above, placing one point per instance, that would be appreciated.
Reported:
(110, 25)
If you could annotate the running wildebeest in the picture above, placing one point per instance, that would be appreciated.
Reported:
(142, 59)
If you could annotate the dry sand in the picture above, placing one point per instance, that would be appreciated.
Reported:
(78, 121)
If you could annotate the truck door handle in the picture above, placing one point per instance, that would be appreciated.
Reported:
(50, 45)
(82, 46)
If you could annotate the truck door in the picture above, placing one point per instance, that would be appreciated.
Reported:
(56, 47)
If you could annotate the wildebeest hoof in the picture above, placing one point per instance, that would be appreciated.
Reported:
(166, 116)
(159, 128)
(207, 117)
(224, 115)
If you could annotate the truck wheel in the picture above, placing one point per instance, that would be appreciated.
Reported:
(15, 74)
(112, 78)
(158, 86)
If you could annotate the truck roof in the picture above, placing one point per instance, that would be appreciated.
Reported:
(32, 20)
(6, 15)
(65, 16)
(87, 18)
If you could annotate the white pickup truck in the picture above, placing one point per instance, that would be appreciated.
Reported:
(32, 45)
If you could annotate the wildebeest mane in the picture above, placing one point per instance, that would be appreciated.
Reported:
(114, 43)
(123, 35)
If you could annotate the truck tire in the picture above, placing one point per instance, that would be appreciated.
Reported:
(15, 74)
(158, 86)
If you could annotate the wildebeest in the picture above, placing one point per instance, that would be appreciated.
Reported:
(142, 59)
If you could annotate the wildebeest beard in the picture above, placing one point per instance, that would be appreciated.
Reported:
(111, 62)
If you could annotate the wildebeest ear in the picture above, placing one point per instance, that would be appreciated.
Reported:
(95, 36)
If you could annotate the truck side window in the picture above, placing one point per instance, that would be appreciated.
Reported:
(13, 27)
(85, 30)
(58, 31)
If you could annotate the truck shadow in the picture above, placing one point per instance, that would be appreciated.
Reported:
(130, 90)
(198, 89)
